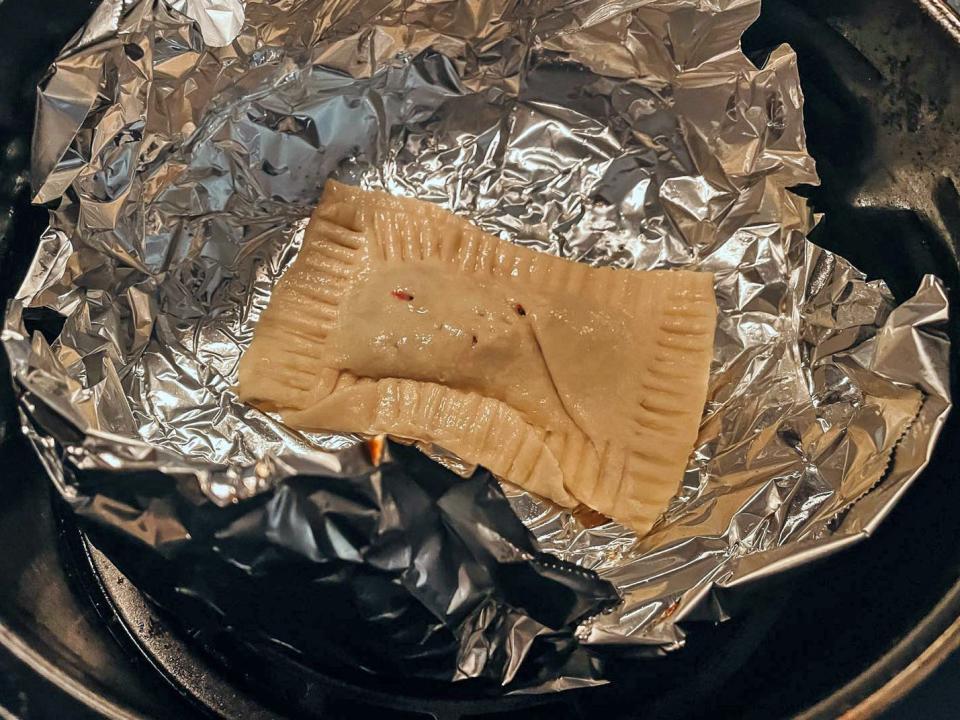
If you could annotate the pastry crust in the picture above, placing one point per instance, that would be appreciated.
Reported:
(581, 384)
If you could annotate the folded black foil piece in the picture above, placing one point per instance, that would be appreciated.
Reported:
(402, 569)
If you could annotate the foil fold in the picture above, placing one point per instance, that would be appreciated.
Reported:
(397, 567)
(635, 134)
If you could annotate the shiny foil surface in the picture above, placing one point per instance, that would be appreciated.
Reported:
(400, 569)
(183, 144)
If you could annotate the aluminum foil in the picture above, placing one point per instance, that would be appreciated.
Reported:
(399, 568)
(631, 133)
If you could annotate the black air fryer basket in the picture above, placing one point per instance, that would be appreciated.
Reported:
(855, 631)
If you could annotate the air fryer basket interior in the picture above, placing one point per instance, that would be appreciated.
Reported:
(883, 122)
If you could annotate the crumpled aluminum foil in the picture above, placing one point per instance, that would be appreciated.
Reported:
(388, 563)
(631, 133)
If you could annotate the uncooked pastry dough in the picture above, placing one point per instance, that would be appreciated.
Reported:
(581, 384)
